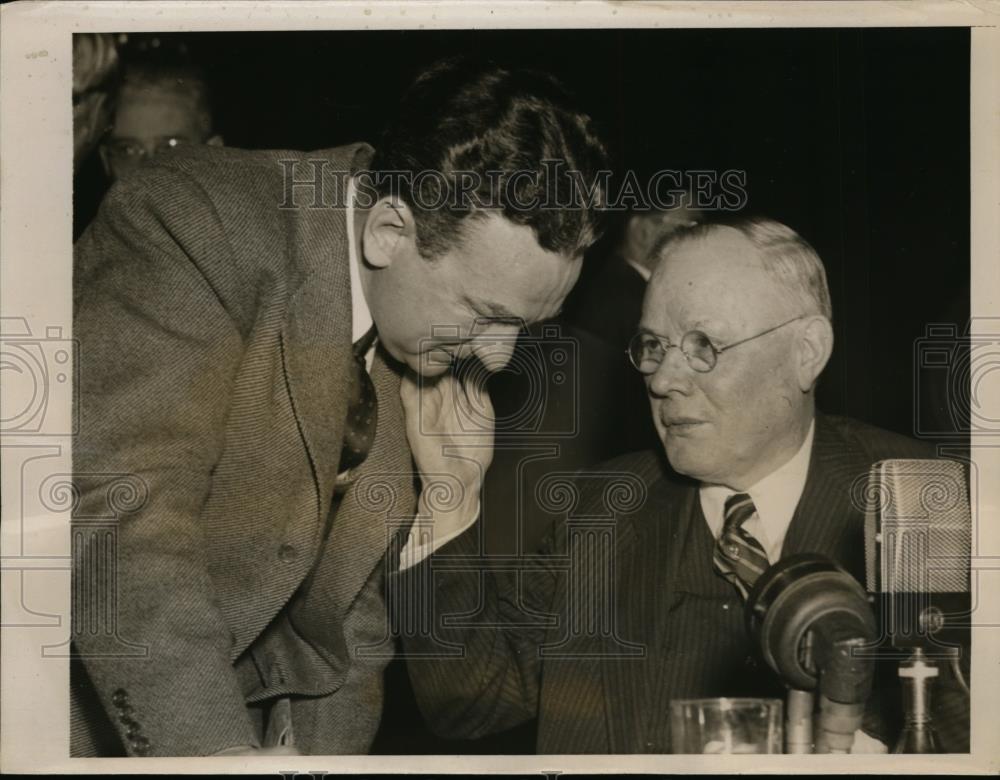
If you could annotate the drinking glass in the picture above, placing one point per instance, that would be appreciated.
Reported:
(726, 725)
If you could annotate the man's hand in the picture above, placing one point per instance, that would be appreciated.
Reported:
(450, 426)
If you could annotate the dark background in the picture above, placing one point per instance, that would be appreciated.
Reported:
(858, 139)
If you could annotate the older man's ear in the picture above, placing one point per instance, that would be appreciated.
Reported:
(814, 346)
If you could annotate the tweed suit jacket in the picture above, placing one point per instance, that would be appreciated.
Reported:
(596, 635)
(213, 321)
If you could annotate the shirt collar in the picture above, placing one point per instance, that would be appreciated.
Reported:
(640, 269)
(775, 496)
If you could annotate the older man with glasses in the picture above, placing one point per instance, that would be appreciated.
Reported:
(596, 639)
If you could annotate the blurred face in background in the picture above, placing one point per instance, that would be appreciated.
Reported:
(151, 118)
(644, 229)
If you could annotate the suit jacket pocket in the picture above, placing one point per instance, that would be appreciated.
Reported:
(280, 662)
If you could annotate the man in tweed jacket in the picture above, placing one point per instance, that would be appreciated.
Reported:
(216, 300)
(624, 610)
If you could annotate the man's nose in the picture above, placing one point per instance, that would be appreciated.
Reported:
(144, 151)
(494, 351)
(673, 374)
(492, 342)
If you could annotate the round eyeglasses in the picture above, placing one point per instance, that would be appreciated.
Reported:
(647, 350)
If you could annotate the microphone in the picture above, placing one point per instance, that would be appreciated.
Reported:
(918, 549)
(810, 618)
(918, 545)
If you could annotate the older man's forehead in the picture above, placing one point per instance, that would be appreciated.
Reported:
(726, 258)
(722, 247)
(709, 282)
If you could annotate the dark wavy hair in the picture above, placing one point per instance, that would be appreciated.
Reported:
(462, 117)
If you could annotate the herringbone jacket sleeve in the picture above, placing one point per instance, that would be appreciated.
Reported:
(158, 349)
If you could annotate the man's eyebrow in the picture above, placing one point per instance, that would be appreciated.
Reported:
(492, 309)
(712, 327)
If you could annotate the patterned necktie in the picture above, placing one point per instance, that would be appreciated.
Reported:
(738, 556)
(362, 408)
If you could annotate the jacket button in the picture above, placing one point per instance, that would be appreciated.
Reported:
(119, 697)
(287, 553)
(134, 732)
(139, 745)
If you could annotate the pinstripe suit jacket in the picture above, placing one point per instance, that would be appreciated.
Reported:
(623, 612)
(213, 321)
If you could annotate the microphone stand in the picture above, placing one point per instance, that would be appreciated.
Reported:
(799, 721)
(844, 686)
(918, 734)
(800, 704)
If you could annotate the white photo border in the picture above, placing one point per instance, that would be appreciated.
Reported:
(35, 284)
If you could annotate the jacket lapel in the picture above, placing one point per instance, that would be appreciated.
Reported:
(380, 499)
(316, 335)
(317, 359)
(378, 504)
(826, 520)
(316, 354)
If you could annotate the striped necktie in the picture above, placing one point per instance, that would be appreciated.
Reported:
(738, 556)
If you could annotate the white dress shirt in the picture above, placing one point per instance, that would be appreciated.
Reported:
(775, 497)
(640, 269)
(361, 316)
